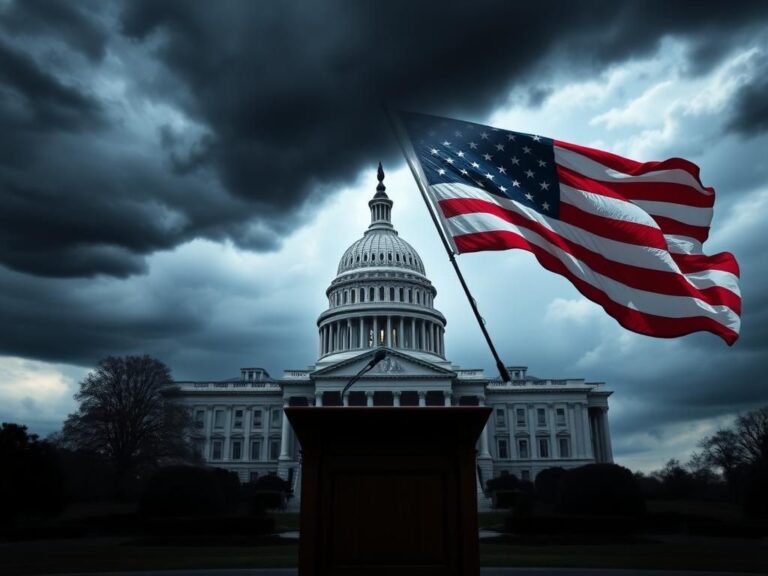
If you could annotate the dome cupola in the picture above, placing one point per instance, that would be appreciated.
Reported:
(381, 295)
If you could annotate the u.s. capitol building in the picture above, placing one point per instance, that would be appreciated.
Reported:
(381, 298)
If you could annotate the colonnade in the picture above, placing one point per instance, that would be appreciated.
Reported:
(364, 332)
(601, 435)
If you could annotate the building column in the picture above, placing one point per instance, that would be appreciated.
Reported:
(318, 398)
(362, 328)
(484, 436)
(433, 336)
(396, 398)
(553, 433)
(413, 333)
(596, 437)
(422, 332)
(388, 338)
(349, 333)
(286, 430)
(606, 435)
(345, 399)
(227, 432)
(572, 431)
(369, 397)
(375, 331)
(533, 449)
(422, 398)
(446, 397)
(586, 441)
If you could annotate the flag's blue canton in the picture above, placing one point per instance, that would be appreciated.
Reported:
(507, 164)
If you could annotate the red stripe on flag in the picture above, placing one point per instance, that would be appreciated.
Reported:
(656, 191)
(619, 230)
(691, 263)
(649, 324)
(633, 167)
(670, 282)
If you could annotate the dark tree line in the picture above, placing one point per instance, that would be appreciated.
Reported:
(732, 464)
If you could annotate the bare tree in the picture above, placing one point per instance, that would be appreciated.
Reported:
(723, 451)
(752, 432)
(126, 416)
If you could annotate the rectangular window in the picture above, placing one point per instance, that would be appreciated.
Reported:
(216, 447)
(256, 422)
(543, 447)
(200, 418)
(541, 418)
(520, 417)
(503, 450)
(255, 450)
(565, 450)
(237, 421)
(237, 449)
(560, 417)
(274, 449)
(218, 419)
(522, 448)
(501, 418)
(276, 414)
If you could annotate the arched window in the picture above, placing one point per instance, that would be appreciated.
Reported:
(389, 256)
(365, 257)
(381, 256)
(401, 295)
(392, 294)
(418, 297)
(410, 296)
(358, 257)
(397, 256)
(352, 296)
(371, 294)
(362, 294)
(345, 296)
(381, 293)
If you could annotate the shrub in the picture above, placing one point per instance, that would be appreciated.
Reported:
(600, 490)
(503, 482)
(548, 484)
(188, 491)
(272, 482)
(31, 482)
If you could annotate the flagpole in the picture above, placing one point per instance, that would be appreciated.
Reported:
(448, 247)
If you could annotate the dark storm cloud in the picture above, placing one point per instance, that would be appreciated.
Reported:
(750, 106)
(36, 101)
(69, 21)
(287, 101)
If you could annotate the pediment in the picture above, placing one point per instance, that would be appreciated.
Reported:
(394, 365)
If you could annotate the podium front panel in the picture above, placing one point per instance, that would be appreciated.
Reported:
(388, 490)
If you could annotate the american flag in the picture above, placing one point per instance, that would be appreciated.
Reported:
(627, 234)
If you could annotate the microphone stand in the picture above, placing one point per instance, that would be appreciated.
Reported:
(378, 357)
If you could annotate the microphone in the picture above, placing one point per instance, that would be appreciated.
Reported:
(378, 357)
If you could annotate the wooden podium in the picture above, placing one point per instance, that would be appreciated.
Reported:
(388, 490)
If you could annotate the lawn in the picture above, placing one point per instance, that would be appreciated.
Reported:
(671, 551)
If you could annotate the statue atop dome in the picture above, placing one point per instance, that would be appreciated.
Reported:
(380, 189)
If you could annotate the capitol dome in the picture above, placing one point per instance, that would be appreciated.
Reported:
(381, 295)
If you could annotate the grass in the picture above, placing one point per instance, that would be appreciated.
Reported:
(91, 555)
(670, 552)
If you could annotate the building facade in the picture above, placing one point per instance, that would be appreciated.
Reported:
(381, 298)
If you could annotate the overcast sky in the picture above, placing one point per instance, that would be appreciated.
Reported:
(181, 179)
